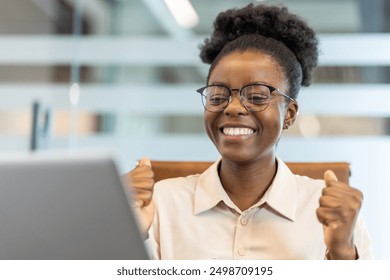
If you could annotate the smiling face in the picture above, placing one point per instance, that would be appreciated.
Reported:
(238, 134)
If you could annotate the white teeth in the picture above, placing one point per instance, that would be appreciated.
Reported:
(236, 131)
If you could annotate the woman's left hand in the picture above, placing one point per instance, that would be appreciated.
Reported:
(339, 209)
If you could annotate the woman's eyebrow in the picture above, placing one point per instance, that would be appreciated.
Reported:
(218, 84)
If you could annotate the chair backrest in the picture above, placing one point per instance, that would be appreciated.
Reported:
(171, 169)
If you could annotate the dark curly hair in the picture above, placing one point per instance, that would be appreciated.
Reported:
(271, 29)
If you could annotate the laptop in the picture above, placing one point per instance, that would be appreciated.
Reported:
(66, 207)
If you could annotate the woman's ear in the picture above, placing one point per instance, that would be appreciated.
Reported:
(291, 114)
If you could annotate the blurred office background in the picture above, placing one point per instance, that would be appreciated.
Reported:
(122, 74)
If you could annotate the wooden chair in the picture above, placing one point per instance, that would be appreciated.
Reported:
(170, 169)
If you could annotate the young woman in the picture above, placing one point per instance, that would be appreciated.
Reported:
(248, 205)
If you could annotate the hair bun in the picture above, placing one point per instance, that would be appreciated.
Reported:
(268, 21)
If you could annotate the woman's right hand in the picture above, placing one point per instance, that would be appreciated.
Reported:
(140, 180)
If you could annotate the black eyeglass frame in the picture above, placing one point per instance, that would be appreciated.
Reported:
(271, 89)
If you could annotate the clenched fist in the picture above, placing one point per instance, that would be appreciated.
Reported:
(140, 180)
(338, 211)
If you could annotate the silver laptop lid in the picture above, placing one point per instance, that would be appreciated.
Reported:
(66, 207)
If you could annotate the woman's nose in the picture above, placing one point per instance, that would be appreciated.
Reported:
(235, 106)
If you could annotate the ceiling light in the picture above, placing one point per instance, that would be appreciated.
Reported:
(183, 12)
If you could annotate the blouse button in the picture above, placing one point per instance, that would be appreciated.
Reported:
(244, 221)
(241, 252)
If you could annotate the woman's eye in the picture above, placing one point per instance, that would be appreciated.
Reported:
(257, 98)
(218, 99)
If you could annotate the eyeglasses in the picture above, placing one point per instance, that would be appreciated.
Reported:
(255, 97)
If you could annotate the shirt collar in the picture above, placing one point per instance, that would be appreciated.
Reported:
(208, 189)
(281, 196)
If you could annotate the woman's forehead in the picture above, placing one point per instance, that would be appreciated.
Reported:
(250, 64)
